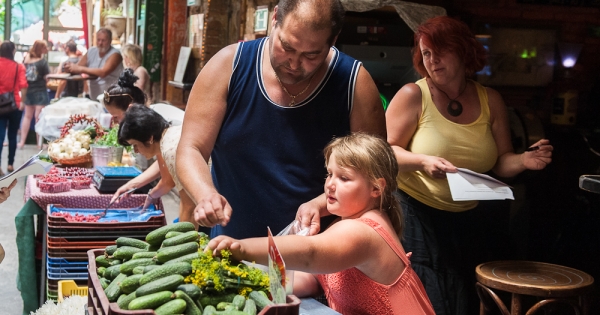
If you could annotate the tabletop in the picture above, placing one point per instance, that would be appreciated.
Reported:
(77, 198)
(70, 77)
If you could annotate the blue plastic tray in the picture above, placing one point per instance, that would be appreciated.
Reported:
(121, 215)
(60, 274)
(63, 263)
(120, 171)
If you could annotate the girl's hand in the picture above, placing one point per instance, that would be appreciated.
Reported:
(224, 242)
(437, 167)
(538, 159)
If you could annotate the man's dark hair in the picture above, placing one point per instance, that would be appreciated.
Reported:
(7, 50)
(334, 22)
(71, 46)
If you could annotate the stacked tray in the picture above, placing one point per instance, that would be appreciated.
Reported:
(68, 242)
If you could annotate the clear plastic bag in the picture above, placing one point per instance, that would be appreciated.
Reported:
(294, 228)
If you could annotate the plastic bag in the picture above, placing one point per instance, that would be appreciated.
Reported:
(294, 228)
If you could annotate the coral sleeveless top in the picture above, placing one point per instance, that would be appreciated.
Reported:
(469, 146)
(351, 292)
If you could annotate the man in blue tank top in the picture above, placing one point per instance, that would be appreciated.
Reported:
(263, 111)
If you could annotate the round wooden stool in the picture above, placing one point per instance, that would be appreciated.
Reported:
(555, 284)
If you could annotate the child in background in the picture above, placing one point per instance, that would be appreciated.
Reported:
(358, 261)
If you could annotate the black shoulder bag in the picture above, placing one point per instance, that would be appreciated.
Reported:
(7, 100)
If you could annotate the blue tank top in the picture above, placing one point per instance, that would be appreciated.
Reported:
(268, 159)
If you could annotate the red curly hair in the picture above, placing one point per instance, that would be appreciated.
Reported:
(443, 34)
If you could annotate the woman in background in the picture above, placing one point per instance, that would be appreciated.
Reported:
(152, 136)
(119, 96)
(12, 78)
(36, 69)
(132, 58)
(436, 125)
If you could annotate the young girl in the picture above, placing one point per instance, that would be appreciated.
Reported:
(358, 261)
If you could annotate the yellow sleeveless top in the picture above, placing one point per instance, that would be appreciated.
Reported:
(469, 146)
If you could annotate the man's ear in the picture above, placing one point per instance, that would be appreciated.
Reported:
(274, 18)
(378, 187)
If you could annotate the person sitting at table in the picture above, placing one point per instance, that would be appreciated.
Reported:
(66, 87)
(358, 260)
(36, 69)
(103, 61)
(151, 135)
(132, 58)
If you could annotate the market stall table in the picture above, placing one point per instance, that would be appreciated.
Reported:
(36, 203)
(71, 77)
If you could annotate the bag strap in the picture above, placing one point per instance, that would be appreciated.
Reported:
(16, 75)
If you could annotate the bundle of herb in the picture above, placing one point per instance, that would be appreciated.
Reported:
(109, 138)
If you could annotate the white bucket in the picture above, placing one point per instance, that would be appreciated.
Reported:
(102, 155)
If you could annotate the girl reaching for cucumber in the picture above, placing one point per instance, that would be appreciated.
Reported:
(358, 262)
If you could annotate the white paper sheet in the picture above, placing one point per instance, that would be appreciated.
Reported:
(469, 185)
(33, 166)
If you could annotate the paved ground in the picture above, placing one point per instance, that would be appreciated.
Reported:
(10, 297)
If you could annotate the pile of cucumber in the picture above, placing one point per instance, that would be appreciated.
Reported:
(150, 274)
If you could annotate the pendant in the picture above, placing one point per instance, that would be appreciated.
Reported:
(454, 108)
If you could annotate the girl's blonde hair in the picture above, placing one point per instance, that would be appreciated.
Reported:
(374, 158)
(36, 49)
(133, 52)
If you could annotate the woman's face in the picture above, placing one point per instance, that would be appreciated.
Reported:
(145, 149)
(117, 113)
(442, 67)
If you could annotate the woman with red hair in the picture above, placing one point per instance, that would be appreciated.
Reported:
(36, 69)
(440, 123)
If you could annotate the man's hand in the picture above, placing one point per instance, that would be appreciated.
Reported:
(224, 242)
(5, 191)
(212, 210)
(309, 215)
(72, 68)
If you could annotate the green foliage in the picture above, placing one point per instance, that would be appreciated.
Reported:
(110, 138)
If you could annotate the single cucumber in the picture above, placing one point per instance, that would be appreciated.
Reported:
(260, 300)
(185, 258)
(209, 310)
(150, 301)
(124, 302)
(109, 250)
(168, 283)
(133, 242)
(223, 306)
(162, 271)
(191, 236)
(213, 300)
(175, 306)
(191, 308)
(238, 302)
(130, 284)
(126, 252)
(250, 307)
(158, 236)
(102, 261)
(100, 271)
(232, 311)
(143, 255)
(127, 267)
(104, 283)
(167, 253)
(191, 290)
(112, 272)
(172, 234)
(114, 261)
(114, 290)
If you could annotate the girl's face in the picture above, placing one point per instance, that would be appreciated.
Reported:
(349, 193)
(117, 113)
(141, 148)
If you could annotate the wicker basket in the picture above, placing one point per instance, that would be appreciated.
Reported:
(80, 160)
(84, 160)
